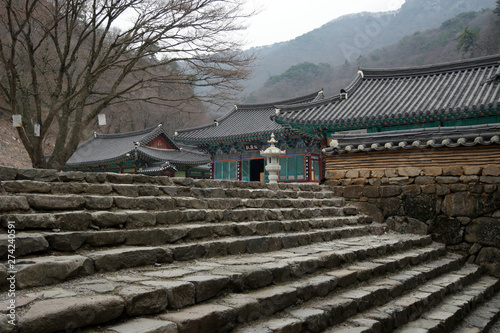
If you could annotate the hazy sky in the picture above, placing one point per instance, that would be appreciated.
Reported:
(282, 20)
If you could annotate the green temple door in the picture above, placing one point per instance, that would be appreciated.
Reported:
(245, 170)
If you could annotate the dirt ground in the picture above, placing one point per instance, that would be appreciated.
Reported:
(12, 152)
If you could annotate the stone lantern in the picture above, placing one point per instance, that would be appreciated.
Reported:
(272, 153)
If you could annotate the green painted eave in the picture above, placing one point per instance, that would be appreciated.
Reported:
(316, 130)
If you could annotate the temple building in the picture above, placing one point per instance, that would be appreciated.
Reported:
(149, 151)
(234, 143)
(443, 114)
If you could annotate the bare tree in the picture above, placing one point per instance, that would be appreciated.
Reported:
(62, 62)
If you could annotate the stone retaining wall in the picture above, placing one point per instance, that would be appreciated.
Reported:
(459, 206)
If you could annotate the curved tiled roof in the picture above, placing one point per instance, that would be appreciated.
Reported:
(182, 156)
(426, 91)
(243, 121)
(436, 137)
(105, 148)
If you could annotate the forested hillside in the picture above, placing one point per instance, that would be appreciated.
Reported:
(345, 39)
(479, 33)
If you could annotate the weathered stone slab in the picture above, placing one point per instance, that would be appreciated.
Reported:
(209, 318)
(25, 243)
(7, 173)
(66, 241)
(170, 273)
(207, 286)
(26, 186)
(20, 302)
(115, 259)
(12, 203)
(140, 219)
(72, 176)
(48, 270)
(147, 237)
(98, 202)
(344, 277)
(119, 178)
(73, 221)
(447, 230)
(143, 300)
(145, 325)
(180, 293)
(485, 231)
(407, 225)
(109, 219)
(188, 252)
(491, 170)
(460, 204)
(100, 286)
(142, 203)
(275, 299)
(313, 320)
(52, 293)
(5, 325)
(70, 313)
(285, 325)
(99, 189)
(248, 308)
(489, 257)
(68, 188)
(45, 175)
(101, 238)
(56, 202)
(126, 190)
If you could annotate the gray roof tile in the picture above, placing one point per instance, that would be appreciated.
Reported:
(434, 137)
(242, 121)
(378, 94)
(103, 148)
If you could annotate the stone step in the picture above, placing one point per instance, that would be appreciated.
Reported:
(52, 176)
(483, 318)
(46, 270)
(48, 202)
(29, 242)
(269, 301)
(376, 306)
(455, 310)
(135, 190)
(137, 217)
(150, 290)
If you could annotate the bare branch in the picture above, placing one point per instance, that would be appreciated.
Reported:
(65, 61)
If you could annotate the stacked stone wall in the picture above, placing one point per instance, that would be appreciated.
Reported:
(457, 205)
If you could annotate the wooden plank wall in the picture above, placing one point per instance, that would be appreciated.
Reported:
(416, 157)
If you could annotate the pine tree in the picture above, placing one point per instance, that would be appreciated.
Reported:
(497, 10)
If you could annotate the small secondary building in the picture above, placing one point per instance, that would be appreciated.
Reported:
(419, 116)
(234, 143)
(149, 151)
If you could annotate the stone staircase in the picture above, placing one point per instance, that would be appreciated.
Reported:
(131, 253)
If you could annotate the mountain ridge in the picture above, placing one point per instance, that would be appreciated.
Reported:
(344, 39)
(433, 46)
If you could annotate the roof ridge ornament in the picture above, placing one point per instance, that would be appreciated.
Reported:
(343, 94)
(334, 143)
(360, 73)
